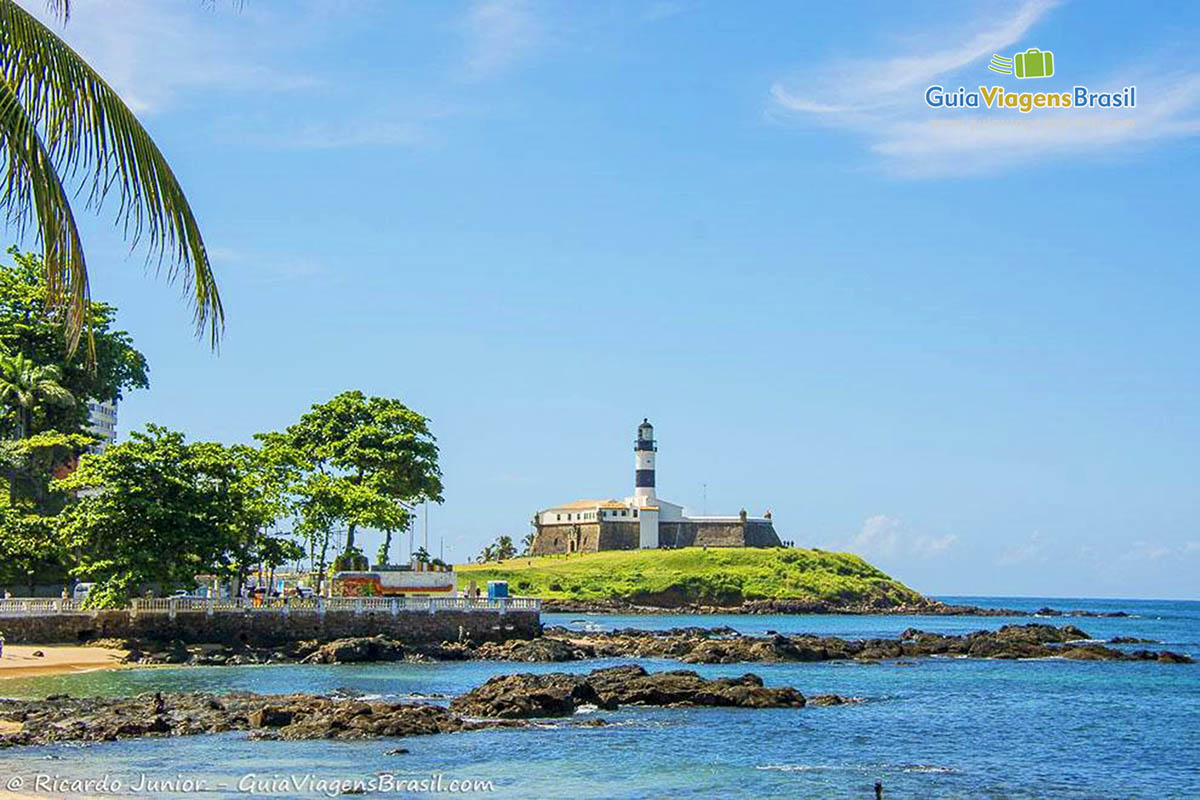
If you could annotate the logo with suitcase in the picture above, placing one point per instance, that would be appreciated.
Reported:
(1033, 63)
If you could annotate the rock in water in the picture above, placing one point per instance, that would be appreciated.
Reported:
(524, 696)
(530, 650)
(632, 685)
(557, 694)
(356, 650)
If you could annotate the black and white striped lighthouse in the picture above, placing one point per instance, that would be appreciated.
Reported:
(643, 459)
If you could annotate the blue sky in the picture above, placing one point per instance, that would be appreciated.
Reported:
(966, 352)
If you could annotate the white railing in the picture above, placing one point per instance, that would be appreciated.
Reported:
(33, 607)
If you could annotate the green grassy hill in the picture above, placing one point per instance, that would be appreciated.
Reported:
(716, 576)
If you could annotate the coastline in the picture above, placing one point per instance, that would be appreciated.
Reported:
(18, 660)
(785, 606)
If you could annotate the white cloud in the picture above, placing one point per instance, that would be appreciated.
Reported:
(150, 51)
(1142, 550)
(1032, 551)
(871, 83)
(498, 33)
(883, 535)
(882, 101)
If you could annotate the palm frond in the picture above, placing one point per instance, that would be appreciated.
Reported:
(89, 132)
(60, 8)
(30, 181)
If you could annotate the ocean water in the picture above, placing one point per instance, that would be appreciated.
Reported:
(931, 728)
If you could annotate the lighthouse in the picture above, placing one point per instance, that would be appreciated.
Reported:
(644, 448)
(644, 500)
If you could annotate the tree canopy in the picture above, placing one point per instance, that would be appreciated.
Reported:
(363, 462)
(156, 509)
(28, 328)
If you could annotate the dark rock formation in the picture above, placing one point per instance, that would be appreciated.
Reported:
(349, 651)
(504, 701)
(298, 716)
(632, 685)
(523, 696)
(690, 645)
(531, 650)
(1034, 640)
(558, 694)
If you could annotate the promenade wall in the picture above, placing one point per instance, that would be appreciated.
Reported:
(266, 628)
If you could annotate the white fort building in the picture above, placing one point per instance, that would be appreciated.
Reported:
(644, 519)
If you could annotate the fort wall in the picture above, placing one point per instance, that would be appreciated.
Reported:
(592, 537)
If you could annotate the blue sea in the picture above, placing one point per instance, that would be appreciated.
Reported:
(930, 728)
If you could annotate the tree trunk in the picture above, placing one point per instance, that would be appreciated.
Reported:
(350, 537)
(321, 565)
(385, 552)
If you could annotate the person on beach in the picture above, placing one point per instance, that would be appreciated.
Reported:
(1, 645)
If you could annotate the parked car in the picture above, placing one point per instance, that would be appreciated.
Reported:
(81, 591)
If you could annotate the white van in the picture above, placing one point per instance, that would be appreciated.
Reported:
(81, 591)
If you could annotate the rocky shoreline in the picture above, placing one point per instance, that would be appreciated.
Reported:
(504, 701)
(724, 646)
(802, 606)
(689, 645)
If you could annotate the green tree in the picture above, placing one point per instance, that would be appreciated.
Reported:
(252, 485)
(26, 387)
(505, 548)
(357, 462)
(31, 463)
(421, 556)
(156, 509)
(59, 123)
(499, 550)
(527, 543)
(29, 327)
(29, 551)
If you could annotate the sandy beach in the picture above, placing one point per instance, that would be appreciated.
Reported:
(19, 661)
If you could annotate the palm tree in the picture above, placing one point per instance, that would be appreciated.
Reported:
(487, 554)
(527, 543)
(505, 548)
(25, 385)
(60, 120)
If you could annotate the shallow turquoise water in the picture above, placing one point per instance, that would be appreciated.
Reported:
(935, 728)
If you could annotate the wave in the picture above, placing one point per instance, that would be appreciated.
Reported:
(920, 768)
